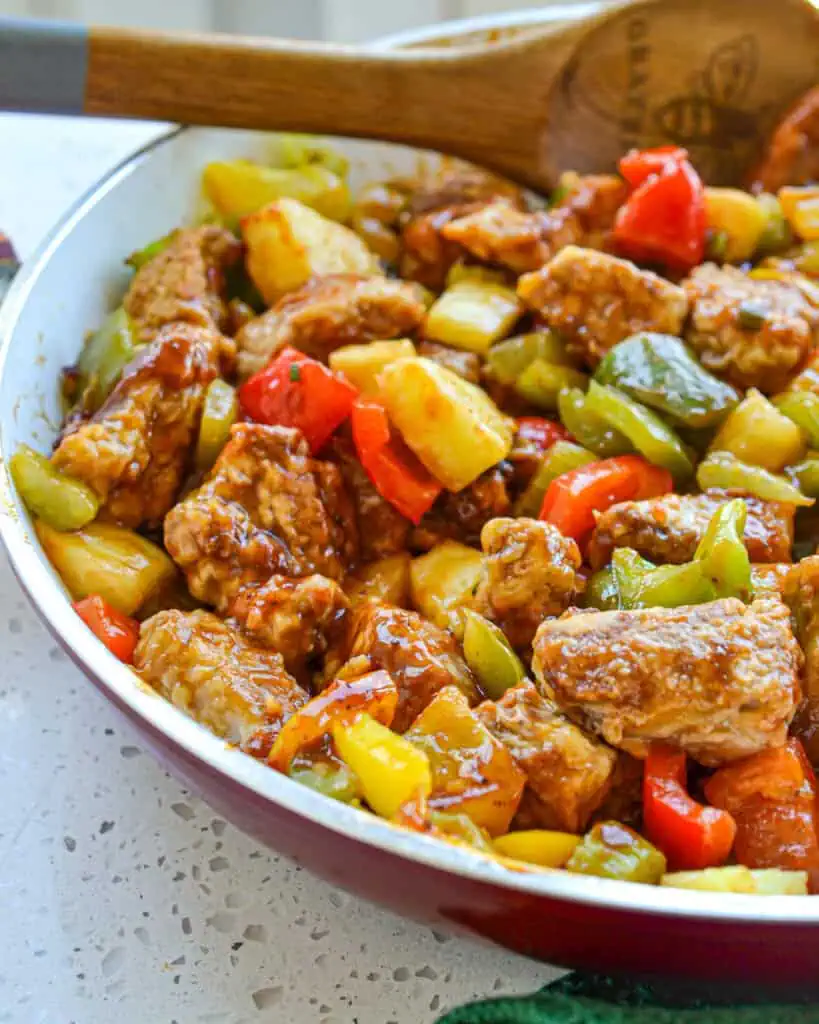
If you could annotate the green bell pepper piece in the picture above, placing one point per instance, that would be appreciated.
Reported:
(331, 778)
(507, 360)
(59, 500)
(776, 235)
(803, 408)
(219, 413)
(297, 150)
(559, 459)
(640, 584)
(142, 256)
(722, 553)
(644, 428)
(489, 655)
(462, 827)
(601, 591)
(541, 383)
(103, 358)
(612, 850)
(590, 430)
(659, 371)
(723, 471)
(805, 475)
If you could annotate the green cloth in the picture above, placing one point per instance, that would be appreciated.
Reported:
(592, 999)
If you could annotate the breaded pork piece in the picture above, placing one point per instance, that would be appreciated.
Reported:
(298, 618)
(530, 574)
(328, 312)
(135, 450)
(669, 528)
(421, 657)
(266, 508)
(568, 773)
(719, 680)
(205, 666)
(185, 281)
(523, 241)
(752, 333)
(595, 300)
(461, 516)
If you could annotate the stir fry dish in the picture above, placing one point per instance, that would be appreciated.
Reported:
(491, 518)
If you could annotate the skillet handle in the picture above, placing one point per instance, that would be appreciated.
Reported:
(43, 66)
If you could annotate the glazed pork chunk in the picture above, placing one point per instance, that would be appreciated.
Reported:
(209, 669)
(135, 450)
(421, 657)
(299, 618)
(595, 300)
(523, 240)
(530, 574)
(184, 282)
(568, 773)
(669, 528)
(719, 680)
(328, 312)
(752, 333)
(266, 508)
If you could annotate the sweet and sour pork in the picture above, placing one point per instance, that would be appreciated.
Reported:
(238, 689)
(669, 528)
(135, 450)
(719, 680)
(266, 508)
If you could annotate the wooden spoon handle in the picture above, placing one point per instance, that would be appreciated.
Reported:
(463, 101)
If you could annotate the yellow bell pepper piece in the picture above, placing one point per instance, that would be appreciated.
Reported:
(537, 846)
(390, 769)
(800, 204)
(739, 216)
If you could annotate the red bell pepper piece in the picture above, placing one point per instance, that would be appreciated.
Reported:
(540, 433)
(573, 498)
(297, 391)
(639, 164)
(664, 220)
(117, 631)
(773, 797)
(394, 470)
(690, 834)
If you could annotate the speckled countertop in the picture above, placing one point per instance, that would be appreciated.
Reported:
(123, 898)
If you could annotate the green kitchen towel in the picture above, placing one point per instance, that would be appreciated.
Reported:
(593, 999)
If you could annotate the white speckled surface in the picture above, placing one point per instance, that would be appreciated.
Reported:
(123, 897)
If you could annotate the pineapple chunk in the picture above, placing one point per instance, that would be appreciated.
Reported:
(386, 580)
(288, 243)
(736, 878)
(758, 433)
(454, 427)
(472, 314)
(472, 772)
(361, 364)
(121, 566)
(238, 188)
(739, 217)
(443, 580)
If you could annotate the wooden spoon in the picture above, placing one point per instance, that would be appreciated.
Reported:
(711, 75)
